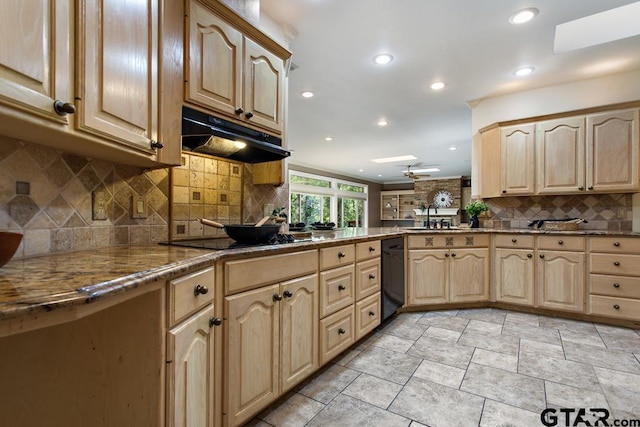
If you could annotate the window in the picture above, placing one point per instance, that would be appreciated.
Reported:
(316, 198)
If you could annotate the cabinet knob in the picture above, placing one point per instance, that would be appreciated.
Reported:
(372, 249)
(541, 255)
(341, 255)
(529, 256)
(214, 321)
(616, 306)
(239, 111)
(561, 242)
(341, 287)
(277, 297)
(372, 276)
(616, 244)
(514, 240)
(616, 285)
(581, 188)
(504, 191)
(342, 331)
(156, 144)
(200, 290)
(63, 108)
(287, 294)
(446, 255)
(453, 254)
(248, 114)
(371, 313)
(616, 263)
(590, 187)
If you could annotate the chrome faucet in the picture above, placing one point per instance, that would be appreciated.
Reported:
(435, 210)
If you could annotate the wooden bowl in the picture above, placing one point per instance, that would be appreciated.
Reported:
(9, 243)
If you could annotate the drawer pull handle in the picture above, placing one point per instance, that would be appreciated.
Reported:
(616, 263)
(342, 331)
(214, 321)
(616, 285)
(372, 276)
(529, 255)
(542, 256)
(561, 242)
(287, 294)
(616, 244)
(341, 255)
(372, 249)
(616, 306)
(341, 287)
(371, 313)
(200, 290)
(277, 297)
(514, 240)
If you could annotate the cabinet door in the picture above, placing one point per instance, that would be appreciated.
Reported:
(469, 275)
(428, 277)
(560, 280)
(299, 333)
(612, 151)
(263, 87)
(190, 350)
(560, 154)
(517, 159)
(117, 85)
(214, 61)
(514, 276)
(252, 354)
(35, 67)
(367, 278)
(491, 165)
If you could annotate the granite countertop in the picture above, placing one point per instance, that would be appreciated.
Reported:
(46, 283)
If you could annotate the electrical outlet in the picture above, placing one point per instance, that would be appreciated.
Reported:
(99, 205)
(138, 207)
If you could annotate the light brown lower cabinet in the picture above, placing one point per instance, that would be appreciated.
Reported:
(337, 333)
(513, 276)
(271, 344)
(367, 315)
(561, 280)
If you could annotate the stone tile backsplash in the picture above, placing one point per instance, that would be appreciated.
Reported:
(46, 195)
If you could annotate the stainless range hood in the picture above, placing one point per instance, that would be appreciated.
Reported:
(207, 134)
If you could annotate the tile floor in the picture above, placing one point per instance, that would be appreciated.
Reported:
(472, 367)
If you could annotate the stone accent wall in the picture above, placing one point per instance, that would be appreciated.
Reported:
(426, 189)
(257, 197)
(46, 195)
(603, 211)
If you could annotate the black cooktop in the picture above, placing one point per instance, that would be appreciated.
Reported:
(220, 243)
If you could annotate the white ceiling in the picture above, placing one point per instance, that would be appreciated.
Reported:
(468, 44)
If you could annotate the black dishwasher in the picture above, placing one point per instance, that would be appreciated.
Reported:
(392, 276)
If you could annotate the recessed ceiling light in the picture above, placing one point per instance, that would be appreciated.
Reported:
(360, 170)
(328, 138)
(382, 122)
(394, 159)
(453, 148)
(437, 85)
(523, 16)
(383, 58)
(379, 175)
(525, 71)
(307, 94)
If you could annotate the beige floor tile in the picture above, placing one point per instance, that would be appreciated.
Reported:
(440, 374)
(373, 390)
(496, 360)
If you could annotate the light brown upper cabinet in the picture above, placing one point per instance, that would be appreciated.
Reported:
(91, 72)
(230, 72)
(612, 151)
(518, 160)
(560, 156)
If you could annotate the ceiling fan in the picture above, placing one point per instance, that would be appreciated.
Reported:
(414, 176)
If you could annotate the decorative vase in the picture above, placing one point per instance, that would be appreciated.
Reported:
(474, 222)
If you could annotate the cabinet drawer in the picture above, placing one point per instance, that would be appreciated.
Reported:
(336, 256)
(336, 289)
(366, 250)
(561, 243)
(367, 315)
(516, 241)
(625, 308)
(336, 334)
(627, 265)
(441, 239)
(189, 293)
(367, 278)
(615, 286)
(614, 245)
(250, 273)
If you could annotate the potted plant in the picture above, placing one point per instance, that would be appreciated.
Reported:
(473, 209)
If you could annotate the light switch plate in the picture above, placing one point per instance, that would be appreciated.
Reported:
(138, 207)
(99, 205)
